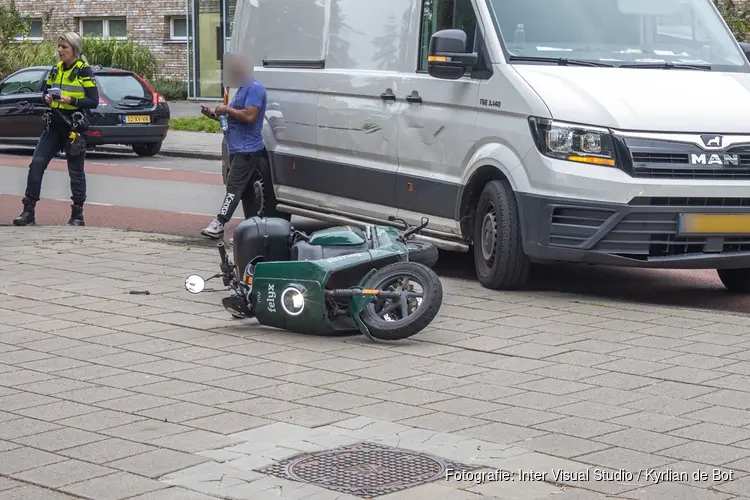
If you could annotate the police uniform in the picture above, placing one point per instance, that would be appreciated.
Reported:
(63, 134)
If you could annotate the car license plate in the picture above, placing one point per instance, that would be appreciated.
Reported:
(714, 224)
(137, 119)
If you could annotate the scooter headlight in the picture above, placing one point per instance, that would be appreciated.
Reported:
(292, 301)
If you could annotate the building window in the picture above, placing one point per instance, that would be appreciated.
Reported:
(35, 31)
(104, 28)
(178, 28)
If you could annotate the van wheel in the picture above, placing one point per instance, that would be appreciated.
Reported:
(499, 258)
(735, 280)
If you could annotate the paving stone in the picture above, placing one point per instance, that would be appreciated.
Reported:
(63, 473)
(430, 491)
(227, 422)
(56, 411)
(674, 490)
(6, 484)
(21, 459)
(99, 420)
(520, 416)
(114, 486)
(621, 458)
(59, 439)
(146, 430)
(665, 405)
(606, 396)
(563, 446)
(156, 463)
(20, 400)
(653, 421)
(640, 440)
(309, 416)
(714, 454)
(174, 493)
(501, 433)
(719, 415)
(107, 450)
(137, 402)
(179, 412)
(194, 441)
(713, 433)
(31, 492)
(20, 427)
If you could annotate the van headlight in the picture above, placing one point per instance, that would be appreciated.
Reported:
(292, 301)
(572, 142)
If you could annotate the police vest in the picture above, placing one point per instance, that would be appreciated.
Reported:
(70, 83)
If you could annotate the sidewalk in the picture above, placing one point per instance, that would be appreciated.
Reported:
(108, 395)
(201, 145)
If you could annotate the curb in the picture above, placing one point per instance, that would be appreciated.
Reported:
(199, 155)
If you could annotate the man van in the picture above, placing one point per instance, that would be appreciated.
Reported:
(612, 132)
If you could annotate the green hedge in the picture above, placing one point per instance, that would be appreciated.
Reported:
(105, 52)
(194, 124)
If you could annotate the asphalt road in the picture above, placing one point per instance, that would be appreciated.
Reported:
(180, 196)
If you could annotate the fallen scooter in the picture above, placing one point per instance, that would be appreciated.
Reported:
(337, 280)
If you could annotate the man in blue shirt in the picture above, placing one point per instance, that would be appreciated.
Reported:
(244, 144)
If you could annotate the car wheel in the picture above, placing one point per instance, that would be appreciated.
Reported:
(147, 149)
(735, 280)
(499, 259)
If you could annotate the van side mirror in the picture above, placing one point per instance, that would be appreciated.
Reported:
(746, 49)
(447, 57)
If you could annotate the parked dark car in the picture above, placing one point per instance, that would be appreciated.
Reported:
(130, 111)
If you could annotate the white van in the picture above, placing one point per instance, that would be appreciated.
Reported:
(613, 132)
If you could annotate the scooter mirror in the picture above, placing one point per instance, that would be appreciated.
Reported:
(195, 284)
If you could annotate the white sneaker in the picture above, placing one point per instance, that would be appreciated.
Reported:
(214, 230)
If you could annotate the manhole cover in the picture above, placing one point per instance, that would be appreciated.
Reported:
(364, 469)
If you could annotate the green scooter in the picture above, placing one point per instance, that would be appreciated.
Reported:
(340, 280)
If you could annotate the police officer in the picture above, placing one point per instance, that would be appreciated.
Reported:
(78, 93)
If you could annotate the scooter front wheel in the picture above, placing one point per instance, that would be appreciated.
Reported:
(421, 298)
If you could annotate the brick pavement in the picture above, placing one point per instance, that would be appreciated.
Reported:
(106, 395)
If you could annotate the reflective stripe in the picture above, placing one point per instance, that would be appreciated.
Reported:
(79, 89)
(73, 89)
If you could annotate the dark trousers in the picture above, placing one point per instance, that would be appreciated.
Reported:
(241, 169)
(49, 144)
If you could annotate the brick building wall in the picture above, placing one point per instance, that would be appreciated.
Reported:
(148, 23)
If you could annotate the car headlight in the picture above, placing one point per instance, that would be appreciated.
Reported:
(571, 142)
(292, 301)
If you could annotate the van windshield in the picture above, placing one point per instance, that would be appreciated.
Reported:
(618, 32)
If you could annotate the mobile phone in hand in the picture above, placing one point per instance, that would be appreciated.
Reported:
(55, 93)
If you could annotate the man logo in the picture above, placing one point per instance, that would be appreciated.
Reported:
(712, 141)
(714, 159)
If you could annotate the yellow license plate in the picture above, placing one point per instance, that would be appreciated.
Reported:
(137, 119)
(714, 224)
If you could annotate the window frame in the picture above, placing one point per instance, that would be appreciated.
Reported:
(30, 38)
(105, 26)
(172, 36)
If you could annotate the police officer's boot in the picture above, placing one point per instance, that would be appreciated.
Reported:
(27, 217)
(76, 215)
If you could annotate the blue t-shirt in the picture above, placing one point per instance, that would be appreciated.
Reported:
(247, 137)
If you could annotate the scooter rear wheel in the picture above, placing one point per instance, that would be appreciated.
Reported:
(388, 319)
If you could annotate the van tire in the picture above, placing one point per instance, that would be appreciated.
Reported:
(499, 259)
(735, 280)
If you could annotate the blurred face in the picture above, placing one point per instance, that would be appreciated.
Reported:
(65, 51)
